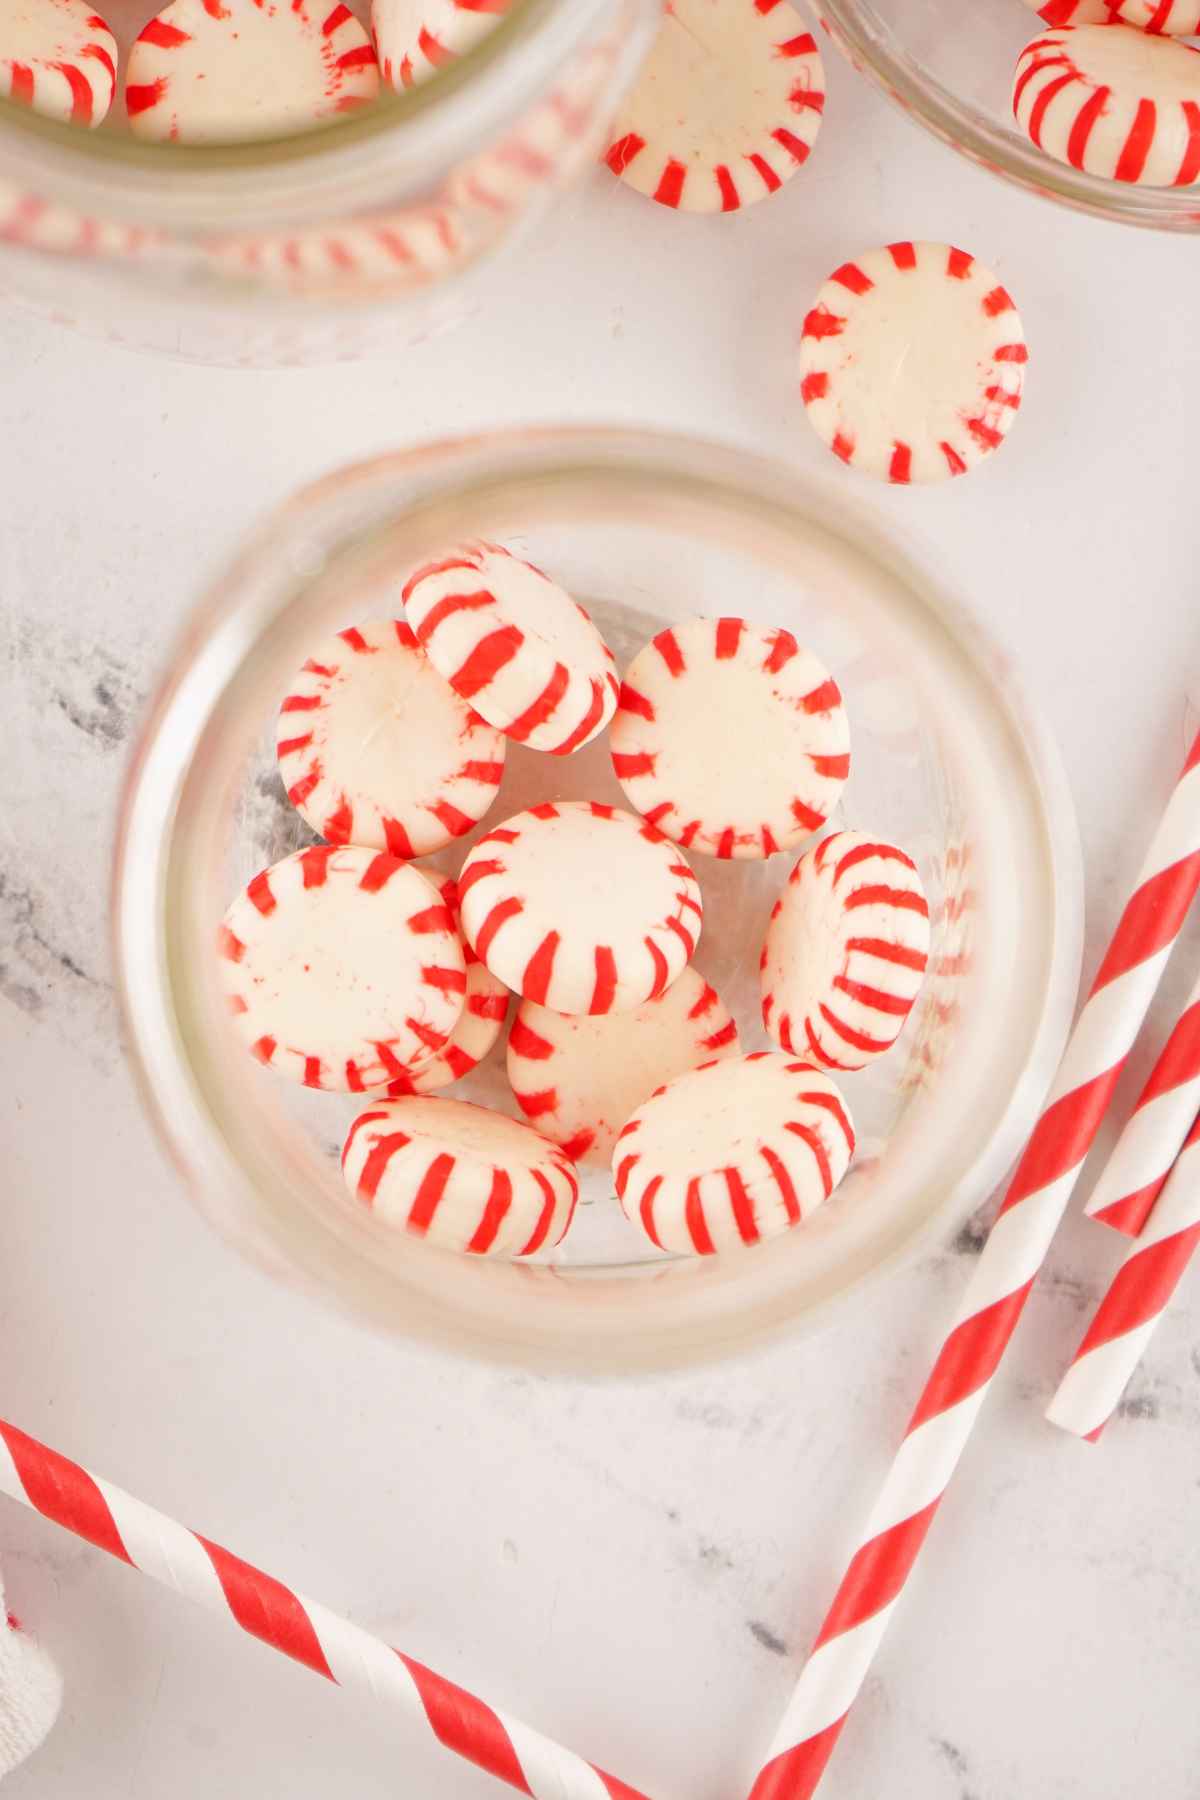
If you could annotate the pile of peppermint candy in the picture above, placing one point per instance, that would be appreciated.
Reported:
(346, 967)
(204, 71)
(1110, 89)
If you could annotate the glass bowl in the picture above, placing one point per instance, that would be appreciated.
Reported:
(956, 80)
(359, 236)
(645, 530)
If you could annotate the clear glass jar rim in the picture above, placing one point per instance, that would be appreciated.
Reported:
(964, 129)
(225, 631)
(349, 163)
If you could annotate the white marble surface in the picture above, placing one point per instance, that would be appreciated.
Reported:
(633, 1566)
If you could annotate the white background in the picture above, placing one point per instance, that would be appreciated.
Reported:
(634, 1567)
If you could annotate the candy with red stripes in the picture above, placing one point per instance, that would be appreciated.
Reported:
(1113, 101)
(516, 645)
(203, 72)
(1173, 18)
(375, 748)
(460, 1176)
(1074, 12)
(846, 951)
(405, 248)
(727, 106)
(341, 967)
(416, 38)
(581, 907)
(58, 57)
(480, 1023)
(732, 1152)
(578, 1079)
(731, 737)
(912, 362)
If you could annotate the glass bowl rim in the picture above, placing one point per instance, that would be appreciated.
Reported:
(217, 631)
(961, 126)
(346, 162)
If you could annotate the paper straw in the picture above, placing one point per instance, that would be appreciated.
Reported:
(970, 1354)
(1138, 1295)
(1145, 1152)
(300, 1628)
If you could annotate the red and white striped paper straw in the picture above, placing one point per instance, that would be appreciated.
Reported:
(1145, 1152)
(970, 1354)
(1138, 1295)
(302, 1629)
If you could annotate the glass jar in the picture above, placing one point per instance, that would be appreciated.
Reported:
(957, 83)
(364, 234)
(645, 531)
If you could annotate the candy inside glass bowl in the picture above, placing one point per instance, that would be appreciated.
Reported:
(952, 67)
(645, 531)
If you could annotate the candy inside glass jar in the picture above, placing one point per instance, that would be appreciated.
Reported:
(342, 205)
(646, 533)
(959, 85)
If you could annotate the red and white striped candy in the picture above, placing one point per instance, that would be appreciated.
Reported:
(342, 967)
(407, 248)
(1138, 1295)
(846, 951)
(58, 57)
(460, 1176)
(514, 644)
(207, 71)
(1173, 18)
(416, 38)
(479, 1024)
(912, 362)
(731, 738)
(727, 106)
(579, 1079)
(375, 748)
(581, 907)
(1075, 12)
(1132, 1179)
(1113, 101)
(732, 1152)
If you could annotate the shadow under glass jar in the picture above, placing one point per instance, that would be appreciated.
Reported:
(361, 235)
(645, 531)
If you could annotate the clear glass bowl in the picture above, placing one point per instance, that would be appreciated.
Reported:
(952, 68)
(358, 236)
(645, 530)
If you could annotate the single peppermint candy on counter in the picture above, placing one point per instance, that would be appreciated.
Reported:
(479, 1024)
(460, 1176)
(204, 72)
(1113, 101)
(374, 748)
(732, 1152)
(59, 57)
(845, 952)
(578, 1079)
(415, 38)
(726, 108)
(514, 644)
(342, 967)
(912, 362)
(1174, 18)
(580, 907)
(730, 737)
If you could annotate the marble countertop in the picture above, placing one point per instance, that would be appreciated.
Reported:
(634, 1566)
